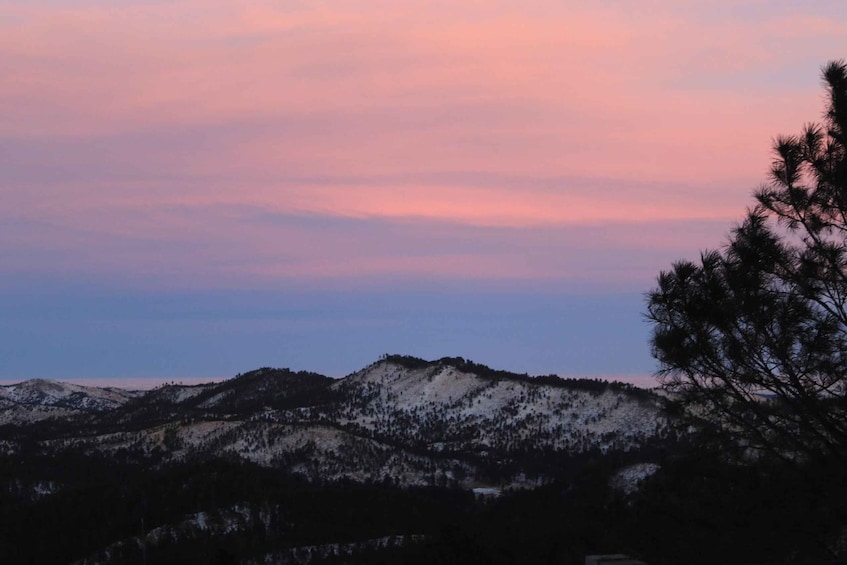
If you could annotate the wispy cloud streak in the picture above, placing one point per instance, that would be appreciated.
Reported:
(147, 138)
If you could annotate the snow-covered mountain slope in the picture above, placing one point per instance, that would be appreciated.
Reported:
(445, 406)
(39, 399)
(401, 419)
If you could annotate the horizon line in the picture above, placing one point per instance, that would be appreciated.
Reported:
(646, 381)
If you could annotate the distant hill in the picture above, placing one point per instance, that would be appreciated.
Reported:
(403, 419)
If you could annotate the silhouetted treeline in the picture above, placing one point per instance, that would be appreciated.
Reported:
(597, 386)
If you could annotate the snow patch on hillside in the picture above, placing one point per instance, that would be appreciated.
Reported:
(628, 480)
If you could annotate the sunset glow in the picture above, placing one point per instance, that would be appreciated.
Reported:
(540, 148)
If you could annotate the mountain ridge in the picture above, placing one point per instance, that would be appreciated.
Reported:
(448, 421)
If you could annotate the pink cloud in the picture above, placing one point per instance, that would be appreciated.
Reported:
(233, 104)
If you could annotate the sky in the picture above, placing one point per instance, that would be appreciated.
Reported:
(196, 189)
